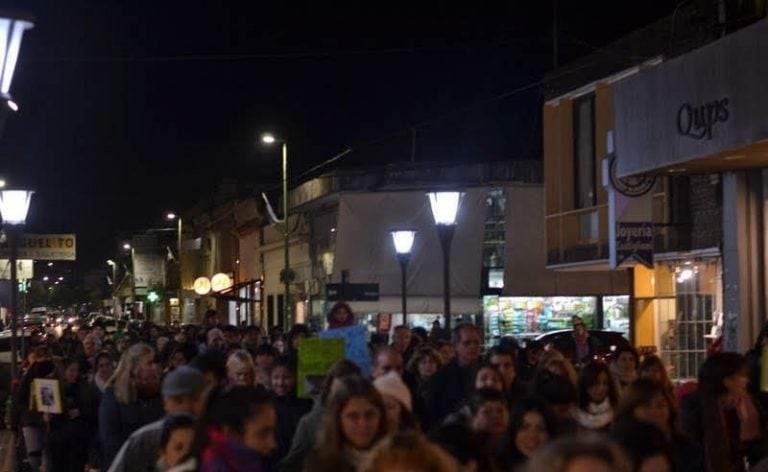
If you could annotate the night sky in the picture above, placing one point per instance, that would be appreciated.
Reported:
(132, 108)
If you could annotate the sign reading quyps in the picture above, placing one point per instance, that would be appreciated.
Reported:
(634, 240)
(46, 247)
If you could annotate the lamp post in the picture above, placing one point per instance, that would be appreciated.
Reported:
(112, 264)
(14, 205)
(11, 33)
(286, 275)
(403, 241)
(445, 207)
(170, 216)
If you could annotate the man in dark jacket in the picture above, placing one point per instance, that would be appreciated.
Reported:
(449, 388)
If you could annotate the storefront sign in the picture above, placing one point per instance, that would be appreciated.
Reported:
(24, 269)
(45, 247)
(352, 292)
(697, 121)
(634, 240)
(701, 104)
(148, 270)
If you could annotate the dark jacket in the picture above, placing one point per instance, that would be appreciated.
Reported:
(570, 351)
(118, 420)
(692, 420)
(303, 440)
(68, 437)
(289, 411)
(447, 391)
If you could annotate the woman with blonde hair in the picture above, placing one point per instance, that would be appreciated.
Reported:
(131, 400)
(241, 369)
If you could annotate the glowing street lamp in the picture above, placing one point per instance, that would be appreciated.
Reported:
(403, 241)
(111, 263)
(445, 208)
(11, 32)
(14, 205)
(268, 139)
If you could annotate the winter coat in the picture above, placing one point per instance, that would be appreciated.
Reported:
(303, 440)
(118, 420)
(290, 410)
(447, 390)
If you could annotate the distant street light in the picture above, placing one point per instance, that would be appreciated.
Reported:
(14, 205)
(287, 306)
(127, 247)
(50, 264)
(11, 33)
(173, 216)
(403, 241)
(45, 279)
(445, 207)
(110, 262)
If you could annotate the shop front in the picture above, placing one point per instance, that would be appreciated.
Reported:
(526, 318)
(700, 119)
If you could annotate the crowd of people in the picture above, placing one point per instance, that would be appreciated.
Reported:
(224, 398)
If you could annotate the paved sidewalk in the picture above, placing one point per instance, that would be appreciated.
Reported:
(7, 450)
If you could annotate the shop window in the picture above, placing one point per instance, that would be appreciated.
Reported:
(616, 314)
(688, 318)
(528, 317)
(584, 151)
(494, 238)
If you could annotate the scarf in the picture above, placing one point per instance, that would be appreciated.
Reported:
(749, 419)
(355, 457)
(597, 415)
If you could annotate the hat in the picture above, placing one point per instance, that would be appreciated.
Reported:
(183, 380)
(391, 384)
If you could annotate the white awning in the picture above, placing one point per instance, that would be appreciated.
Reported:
(418, 305)
(364, 247)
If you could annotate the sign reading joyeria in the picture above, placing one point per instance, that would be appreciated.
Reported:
(697, 121)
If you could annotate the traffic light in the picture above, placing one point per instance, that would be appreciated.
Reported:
(153, 296)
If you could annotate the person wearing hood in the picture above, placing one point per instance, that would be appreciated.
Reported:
(340, 316)
(397, 402)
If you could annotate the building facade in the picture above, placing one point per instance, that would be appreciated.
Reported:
(642, 177)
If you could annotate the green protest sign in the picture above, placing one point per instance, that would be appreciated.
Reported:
(316, 356)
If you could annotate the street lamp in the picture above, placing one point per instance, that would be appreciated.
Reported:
(445, 207)
(286, 275)
(111, 263)
(403, 241)
(173, 216)
(14, 205)
(11, 32)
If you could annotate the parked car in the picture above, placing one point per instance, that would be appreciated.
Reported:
(5, 345)
(607, 341)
